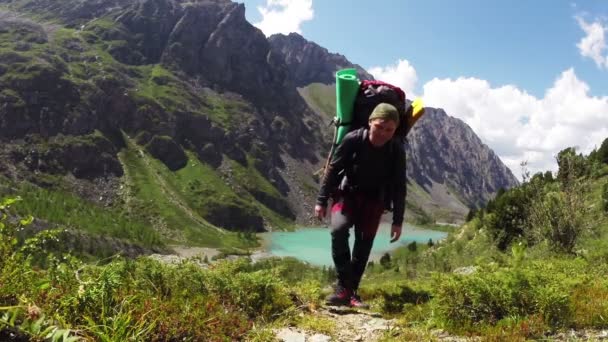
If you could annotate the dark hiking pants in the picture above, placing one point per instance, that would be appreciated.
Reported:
(364, 214)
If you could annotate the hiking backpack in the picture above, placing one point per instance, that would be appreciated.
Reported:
(371, 94)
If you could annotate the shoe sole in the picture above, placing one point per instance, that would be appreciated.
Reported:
(337, 303)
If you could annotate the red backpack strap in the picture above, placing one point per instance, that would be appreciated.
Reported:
(366, 83)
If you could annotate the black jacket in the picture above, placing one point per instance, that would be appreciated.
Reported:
(359, 167)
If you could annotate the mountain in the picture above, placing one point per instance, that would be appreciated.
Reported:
(308, 62)
(175, 114)
(449, 161)
(178, 121)
(449, 169)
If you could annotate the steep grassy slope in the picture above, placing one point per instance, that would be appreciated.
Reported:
(177, 202)
(321, 97)
(70, 106)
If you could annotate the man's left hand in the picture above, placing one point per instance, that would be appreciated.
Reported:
(395, 233)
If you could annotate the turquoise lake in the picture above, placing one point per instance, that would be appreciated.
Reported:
(313, 245)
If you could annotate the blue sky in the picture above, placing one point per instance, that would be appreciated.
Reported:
(530, 77)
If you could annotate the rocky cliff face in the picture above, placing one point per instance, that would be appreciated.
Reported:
(308, 62)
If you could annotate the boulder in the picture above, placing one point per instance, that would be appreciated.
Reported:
(166, 150)
(234, 217)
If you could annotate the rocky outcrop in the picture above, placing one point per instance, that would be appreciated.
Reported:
(274, 203)
(232, 216)
(225, 50)
(34, 95)
(166, 150)
(308, 62)
(88, 157)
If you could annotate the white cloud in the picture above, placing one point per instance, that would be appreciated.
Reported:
(284, 16)
(594, 43)
(401, 74)
(520, 127)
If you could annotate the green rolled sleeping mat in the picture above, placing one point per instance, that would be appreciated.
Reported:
(347, 86)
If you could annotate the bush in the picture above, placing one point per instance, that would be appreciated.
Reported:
(471, 214)
(20, 281)
(489, 296)
(571, 165)
(508, 215)
(557, 210)
(385, 260)
(396, 298)
(602, 152)
(259, 293)
(590, 305)
(464, 300)
(605, 197)
(558, 218)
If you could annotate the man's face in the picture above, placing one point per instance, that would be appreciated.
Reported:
(381, 131)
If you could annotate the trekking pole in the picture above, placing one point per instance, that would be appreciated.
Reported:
(335, 122)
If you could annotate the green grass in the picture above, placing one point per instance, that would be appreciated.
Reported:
(13, 97)
(178, 202)
(80, 66)
(322, 97)
(201, 187)
(158, 84)
(149, 197)
(227, 113)
(415, 188)
(251, 179)
(317, 324)
(70, 211)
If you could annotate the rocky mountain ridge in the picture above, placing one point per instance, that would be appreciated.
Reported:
(308, 62)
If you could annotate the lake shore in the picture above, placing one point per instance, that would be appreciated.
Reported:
(313, 244)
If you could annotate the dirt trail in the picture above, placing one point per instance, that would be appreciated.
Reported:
(351, 325)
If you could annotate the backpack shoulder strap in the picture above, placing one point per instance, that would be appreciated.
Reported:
(361, 137)
(364, 132)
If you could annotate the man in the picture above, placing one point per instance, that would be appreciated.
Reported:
(369, 167)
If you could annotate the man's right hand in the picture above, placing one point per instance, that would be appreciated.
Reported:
(320, 211)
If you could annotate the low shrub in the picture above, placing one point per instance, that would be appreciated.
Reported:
(490, 296)
(605, 197)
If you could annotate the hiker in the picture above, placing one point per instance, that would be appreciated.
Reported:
(366, 167)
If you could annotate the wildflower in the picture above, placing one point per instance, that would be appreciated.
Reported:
(33, 312)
